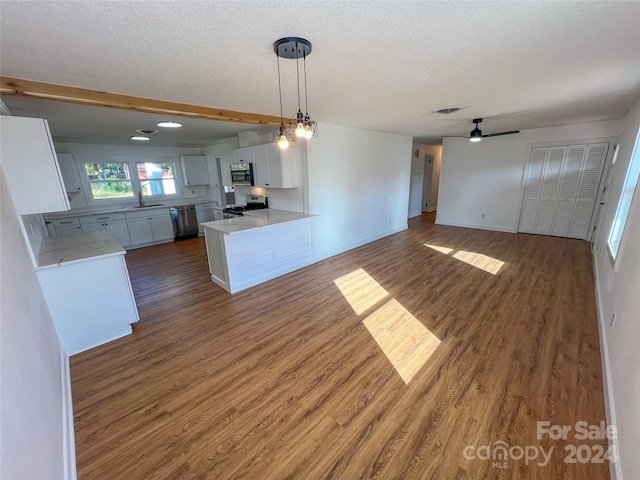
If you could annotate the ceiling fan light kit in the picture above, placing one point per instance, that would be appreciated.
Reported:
(476, 134)
(300, 125)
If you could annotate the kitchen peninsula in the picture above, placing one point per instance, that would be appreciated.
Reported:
(261, 245)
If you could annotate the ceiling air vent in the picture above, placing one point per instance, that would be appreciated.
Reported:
(148, 132)
(448, 110)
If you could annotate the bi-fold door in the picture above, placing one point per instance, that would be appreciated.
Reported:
(561, 189)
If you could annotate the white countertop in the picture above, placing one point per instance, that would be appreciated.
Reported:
(57, 250)
(86, 211)
(254, 219)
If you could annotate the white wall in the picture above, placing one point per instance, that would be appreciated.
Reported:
(358, 187)
(487, 177)
(33, 372)
(618, 292)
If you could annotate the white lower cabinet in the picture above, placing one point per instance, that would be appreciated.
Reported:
(149, 226)
(69, 231)
(114, 223)
(206, 212)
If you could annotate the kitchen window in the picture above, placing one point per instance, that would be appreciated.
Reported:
(624, 204)
(109, 180)
(156, 178)
(122, 180)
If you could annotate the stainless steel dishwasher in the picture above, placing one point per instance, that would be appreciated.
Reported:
(185, 222)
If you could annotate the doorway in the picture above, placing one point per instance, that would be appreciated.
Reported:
(428, 183)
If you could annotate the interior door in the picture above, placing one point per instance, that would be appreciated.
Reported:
(549, 193)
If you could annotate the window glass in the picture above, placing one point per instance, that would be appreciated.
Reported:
(624, 204)
(109, 180)
(156, 178)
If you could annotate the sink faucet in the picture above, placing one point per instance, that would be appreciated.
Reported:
(140, 199)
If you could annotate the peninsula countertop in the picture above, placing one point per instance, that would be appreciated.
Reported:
(57, 250)
(254, 219)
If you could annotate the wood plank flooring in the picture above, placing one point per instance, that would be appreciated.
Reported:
(287, 380)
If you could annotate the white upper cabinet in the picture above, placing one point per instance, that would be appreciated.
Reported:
(69, 170)
(240, 155)
(195, 170)
(30, 165)
(275, 168)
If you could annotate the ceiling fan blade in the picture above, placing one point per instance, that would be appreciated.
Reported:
(500, 133)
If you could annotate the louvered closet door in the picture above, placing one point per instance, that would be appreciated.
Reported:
(590, 177)
(569, 179)
(533, 183)
(561, 189)
(549, 192)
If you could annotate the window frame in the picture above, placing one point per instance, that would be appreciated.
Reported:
(625, 200)
(136, 182)
(98, 182)
(157, 180)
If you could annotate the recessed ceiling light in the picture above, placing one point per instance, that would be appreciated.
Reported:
(448, 110)
(140, 138)
(169, 124)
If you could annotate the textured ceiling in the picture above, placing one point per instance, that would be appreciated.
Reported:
(380, 65)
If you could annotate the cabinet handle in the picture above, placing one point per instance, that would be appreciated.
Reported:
(70, 221)
(103, 218)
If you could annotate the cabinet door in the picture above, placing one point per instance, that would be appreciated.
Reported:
(260, 166)
(120, 232)
(195, 170)
(68, 231)
(69, 170)
(240, 155)
(140, 231)
(29, 162)
(93, 227)
(225, 159)
(274, 156)
(161, 227)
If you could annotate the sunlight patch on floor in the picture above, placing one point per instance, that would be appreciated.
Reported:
(478, 260)
(483, 262)
(444, 250)
(405, 341)
(360, 290)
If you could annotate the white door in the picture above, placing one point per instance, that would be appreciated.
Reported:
(549, 193)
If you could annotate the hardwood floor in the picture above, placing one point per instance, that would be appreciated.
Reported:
(444, 348)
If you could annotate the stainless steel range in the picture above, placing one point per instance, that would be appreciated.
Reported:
(254, 202)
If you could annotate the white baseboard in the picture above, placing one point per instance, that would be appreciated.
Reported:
(69, 437)
(431, 209)
(609, 405)
(319, 256)
(439, 221)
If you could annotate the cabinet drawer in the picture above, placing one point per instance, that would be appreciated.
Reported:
(148, 212)
(65, 222)
(205, 206)
(107, 217)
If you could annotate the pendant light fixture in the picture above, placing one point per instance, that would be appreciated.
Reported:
(281, 137)
(300, 125)
(310, 125)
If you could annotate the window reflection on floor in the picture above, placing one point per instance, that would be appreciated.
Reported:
(483, 262)
(405, 341)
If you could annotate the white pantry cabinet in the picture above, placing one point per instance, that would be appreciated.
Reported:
(195, 170)
(30, 165)
(149, 225)
(275, 168)
(114, 223)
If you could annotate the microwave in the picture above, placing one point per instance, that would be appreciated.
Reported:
(242, 174)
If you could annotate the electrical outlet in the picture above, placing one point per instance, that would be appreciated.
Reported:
(482, 215)
(613, 319)
(274, 255)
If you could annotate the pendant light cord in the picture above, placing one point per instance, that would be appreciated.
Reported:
(298, 75)
(280, 90)
(306, 99)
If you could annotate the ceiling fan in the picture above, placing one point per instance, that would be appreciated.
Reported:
(476, 134)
